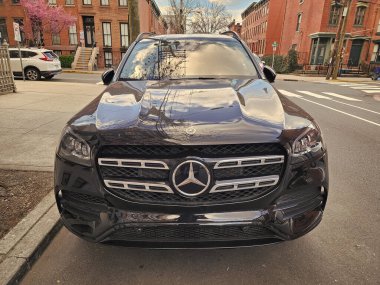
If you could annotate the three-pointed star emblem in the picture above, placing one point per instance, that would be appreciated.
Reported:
(191, 178)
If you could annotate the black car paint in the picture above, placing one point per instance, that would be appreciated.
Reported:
(223, 111)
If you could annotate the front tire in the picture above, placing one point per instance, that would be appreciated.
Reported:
(32, 73)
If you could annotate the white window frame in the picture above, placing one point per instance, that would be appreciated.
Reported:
(108, 61)
(107, 37)
(73, 36)
(124, 34)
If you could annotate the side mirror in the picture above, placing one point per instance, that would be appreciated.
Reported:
(269, 73)
(107, 76)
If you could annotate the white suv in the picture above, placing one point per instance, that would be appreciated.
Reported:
(36, 63)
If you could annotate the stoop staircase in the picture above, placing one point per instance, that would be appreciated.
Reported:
(85, 58)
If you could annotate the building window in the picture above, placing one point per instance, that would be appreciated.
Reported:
(87, 2)
(104, 2)
(69, 2)
(375, 54)
(20, 22)
(52, 2)
(124, 35)
(56, 39)
(107, 42)
(123, 2)
(107, 59)
(359, 16)
(299, 19)
(334, 14)
(122, 54)
(58, 52)
(3, 31)
(73, 38)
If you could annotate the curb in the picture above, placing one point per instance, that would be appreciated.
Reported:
(23, 244)
(81, 71)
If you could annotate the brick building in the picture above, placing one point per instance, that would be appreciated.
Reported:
(235, 27)
(309, 26)
(262, 25)
(317, 23)
(104, 23)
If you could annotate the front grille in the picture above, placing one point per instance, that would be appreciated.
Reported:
(136, 173)
(191, 233)
(208, 198)
(250, 171)
(176, 151)
(74, 196)
(149, 180)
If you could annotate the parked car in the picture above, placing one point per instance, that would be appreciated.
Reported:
(36, 63)
(191, 146)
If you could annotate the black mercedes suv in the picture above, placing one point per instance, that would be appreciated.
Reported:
(191, 146)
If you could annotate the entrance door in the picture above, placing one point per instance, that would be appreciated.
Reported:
(356, 50)
(89, 31)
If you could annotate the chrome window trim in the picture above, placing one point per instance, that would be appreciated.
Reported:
(129, 186)
(246, 183)
(123, 163)
(247, 161)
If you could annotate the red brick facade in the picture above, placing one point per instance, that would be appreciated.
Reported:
(111, 18)
(262, 25)
(310, 26)
(235, 27)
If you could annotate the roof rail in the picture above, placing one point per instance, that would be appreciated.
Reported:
(144, 36)
(231, 34)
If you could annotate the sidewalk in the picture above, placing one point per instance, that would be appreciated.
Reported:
(32, 119)
(31, 122)
(292, 77)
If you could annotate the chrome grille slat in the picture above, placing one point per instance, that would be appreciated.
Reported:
(138, 186)
(247, 161)
(133, 163)
(242, 184)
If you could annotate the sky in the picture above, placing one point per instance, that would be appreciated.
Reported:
(235, 7)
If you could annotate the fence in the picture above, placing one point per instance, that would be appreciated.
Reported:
(7, 83)
(344, 69)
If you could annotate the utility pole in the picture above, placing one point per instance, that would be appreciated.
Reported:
(339, 40)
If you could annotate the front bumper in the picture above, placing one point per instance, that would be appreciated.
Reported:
(291, 210)
(51, 72)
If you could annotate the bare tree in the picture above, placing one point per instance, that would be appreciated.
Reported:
(179, 12)
(209, 17)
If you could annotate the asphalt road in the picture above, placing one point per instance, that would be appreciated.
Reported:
(344, 249)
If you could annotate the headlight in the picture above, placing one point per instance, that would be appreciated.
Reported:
(74, 148)
(308, 141)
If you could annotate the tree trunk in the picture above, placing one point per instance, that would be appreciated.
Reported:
(134, 20)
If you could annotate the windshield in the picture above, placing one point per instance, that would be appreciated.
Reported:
(153, 59)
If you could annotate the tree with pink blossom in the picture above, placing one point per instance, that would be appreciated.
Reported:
(45, 18)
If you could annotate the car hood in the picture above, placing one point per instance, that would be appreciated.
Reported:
(188, 112)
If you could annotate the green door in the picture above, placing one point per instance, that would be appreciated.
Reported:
(356, 50)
